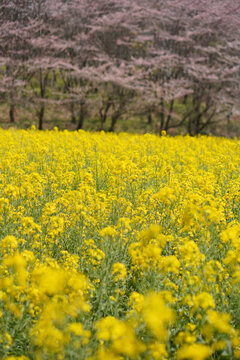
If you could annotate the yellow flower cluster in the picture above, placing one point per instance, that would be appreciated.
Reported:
(119, 246)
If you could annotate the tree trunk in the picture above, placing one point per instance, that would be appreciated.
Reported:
(197, 124)
(82, 114)
(103, 114)
(113, 122)
(149, 117)
(41, 116)
(11, 113)
(190, 126)
(73, 116)
(43, 84)
(169, 115)
(162, 115)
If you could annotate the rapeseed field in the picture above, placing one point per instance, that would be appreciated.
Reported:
(119, 246)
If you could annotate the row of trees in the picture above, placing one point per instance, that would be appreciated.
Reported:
(175, 62)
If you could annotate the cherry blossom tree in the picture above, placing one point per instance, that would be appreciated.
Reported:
(193, 54)
(176, 60)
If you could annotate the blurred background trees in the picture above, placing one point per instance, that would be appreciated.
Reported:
(139, 65)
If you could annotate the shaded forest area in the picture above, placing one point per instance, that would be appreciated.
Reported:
(139, 65)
